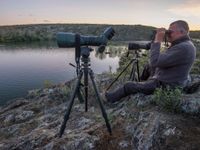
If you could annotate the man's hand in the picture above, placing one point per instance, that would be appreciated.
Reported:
(160, 33)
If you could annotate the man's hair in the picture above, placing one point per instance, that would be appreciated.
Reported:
(182, 25)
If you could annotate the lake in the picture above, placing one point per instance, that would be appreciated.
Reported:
(27, 67)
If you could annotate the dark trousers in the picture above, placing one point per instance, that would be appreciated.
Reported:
(147, 87)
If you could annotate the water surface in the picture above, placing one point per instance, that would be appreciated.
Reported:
(23, 68)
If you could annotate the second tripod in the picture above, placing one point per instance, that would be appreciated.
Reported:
(135, 72)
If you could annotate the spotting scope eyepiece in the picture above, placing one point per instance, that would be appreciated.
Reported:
(109, 33)
(67, 39)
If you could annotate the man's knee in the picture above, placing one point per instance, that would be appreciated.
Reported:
(130, 87)
(147, 87)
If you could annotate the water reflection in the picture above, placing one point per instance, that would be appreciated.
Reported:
(25, 67)
(29, 45)
(111, 51)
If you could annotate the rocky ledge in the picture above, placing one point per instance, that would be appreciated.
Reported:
(34, 122)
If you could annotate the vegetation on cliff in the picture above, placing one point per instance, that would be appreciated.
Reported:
(46, 32)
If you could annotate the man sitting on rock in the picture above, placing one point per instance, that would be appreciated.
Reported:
(172, 66)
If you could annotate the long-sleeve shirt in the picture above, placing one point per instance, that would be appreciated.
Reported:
(174, 64)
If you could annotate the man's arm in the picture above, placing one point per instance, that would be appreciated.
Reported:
(173, 56)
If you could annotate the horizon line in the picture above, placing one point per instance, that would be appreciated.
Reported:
(29, 24)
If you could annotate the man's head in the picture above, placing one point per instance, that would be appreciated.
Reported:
(177, 30)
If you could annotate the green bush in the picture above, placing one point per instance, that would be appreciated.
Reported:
(168, 99)
(196, 67)
(47, 84)
(65, 91)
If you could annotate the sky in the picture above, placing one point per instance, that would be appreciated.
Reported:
(157, 13)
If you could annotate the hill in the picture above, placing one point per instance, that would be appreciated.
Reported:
(195, 34)
(47, 32)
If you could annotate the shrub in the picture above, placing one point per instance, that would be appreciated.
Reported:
(48, 84)
(65, 91)
(168, 99)
(196, 67)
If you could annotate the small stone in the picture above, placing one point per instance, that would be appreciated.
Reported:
(9, 119)
(144, 101)
(123, 144)
(92, 109)
(79, 108)
(84, 123)
(123, 113)
(50, 91)
(1, 145)
(25, 115)
(49, 146)
(191, 106)
(42, 94)
(14, 129)
(170, 131)
(68, 131)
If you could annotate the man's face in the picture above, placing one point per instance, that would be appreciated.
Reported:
(175, 33)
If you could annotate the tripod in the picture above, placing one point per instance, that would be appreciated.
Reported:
(135, 72)
(86, 71)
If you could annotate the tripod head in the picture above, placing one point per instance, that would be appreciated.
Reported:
(85, 51)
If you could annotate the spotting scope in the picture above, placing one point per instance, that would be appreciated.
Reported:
(68, 39)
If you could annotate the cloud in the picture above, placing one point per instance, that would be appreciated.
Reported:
(188, 9)
(46, 21)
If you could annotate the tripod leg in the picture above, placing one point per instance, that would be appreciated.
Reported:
(132, 74)
(66, 116)
(79, 94)
(86, 87)
(100, 103)
(138, 70)
(120, 74)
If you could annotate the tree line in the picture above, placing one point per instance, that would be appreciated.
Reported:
(47, 32)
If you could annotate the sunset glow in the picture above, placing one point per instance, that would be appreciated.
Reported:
(153, 13)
